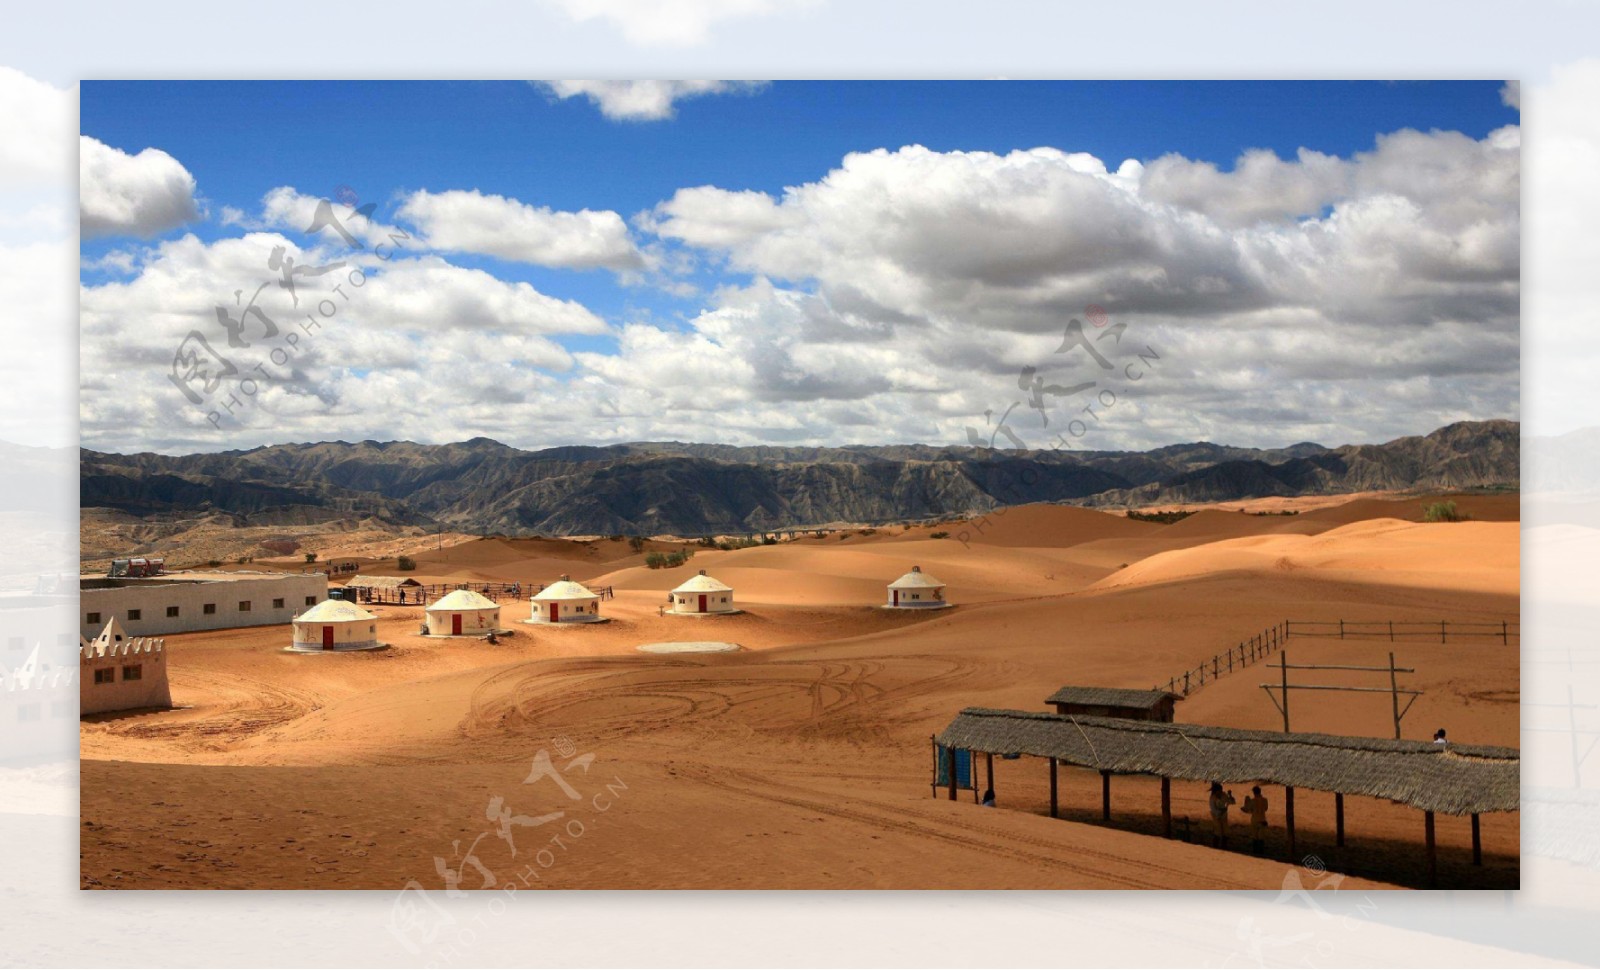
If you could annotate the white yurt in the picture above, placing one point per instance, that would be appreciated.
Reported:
(462, 613)
(335, 625)
(702, 594)
(565, 602)
(916, 590)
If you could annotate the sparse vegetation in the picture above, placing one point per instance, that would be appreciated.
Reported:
(1278, 512)
(311, 557)
(636, 543)
(213, 563)
(406, 563)
(940, 535)
(1443, 512)
(668, 560)
(1165, 518)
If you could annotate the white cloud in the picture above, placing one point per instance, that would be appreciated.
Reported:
(643, 100)
(1511, 94)
(494, 225)
(671, 23)
(132, 195)
(40, 123)
(1310, 295)
(402, 347)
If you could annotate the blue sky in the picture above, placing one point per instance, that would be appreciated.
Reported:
(238, 141)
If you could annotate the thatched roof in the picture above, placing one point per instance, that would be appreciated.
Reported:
(381, 582)
(1455, 779)
(1109, 697)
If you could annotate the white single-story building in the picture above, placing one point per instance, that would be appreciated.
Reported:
(702, 594)
(185, 602)
(335, 625)
(121, 673)
(916, 590)
(462, 613)
(565, 602)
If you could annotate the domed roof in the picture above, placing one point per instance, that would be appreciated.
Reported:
(703, 584)
(565, 589)
(463, 599)
(334, 611)
(915, 579)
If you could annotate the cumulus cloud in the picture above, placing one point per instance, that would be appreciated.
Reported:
(40, 124)
(132, 195)
(494, 225)
(671, 23)
(643, 100)
(396, 346)
(1311, 294)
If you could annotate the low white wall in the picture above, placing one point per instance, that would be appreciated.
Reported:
(117, 691)
(151, 600)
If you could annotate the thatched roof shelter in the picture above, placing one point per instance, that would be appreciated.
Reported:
(1453, 779)
(1110, 697)
(380, 582)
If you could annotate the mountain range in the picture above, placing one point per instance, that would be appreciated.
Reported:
(654, 488)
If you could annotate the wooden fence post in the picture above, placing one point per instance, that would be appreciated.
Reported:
(1341, 629)
(1505, 633)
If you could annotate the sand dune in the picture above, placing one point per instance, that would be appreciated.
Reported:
(801, 761)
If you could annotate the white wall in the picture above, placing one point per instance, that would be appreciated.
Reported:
(152, 599)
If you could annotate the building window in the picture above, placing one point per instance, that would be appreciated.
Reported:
(311, 601)
(173, 610)
(94, 619)
(135, 614)
(244, 606)
(372, 628)
(133, 672)
(207, 609)
(277, 604)
(105, 675)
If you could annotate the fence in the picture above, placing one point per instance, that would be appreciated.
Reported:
(1258, 647)
(1272, 639)
(1397, 630)
(428, 592)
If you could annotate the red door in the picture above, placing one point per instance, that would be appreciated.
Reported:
(702, 602)
(327, 638)
(555, 612)
(455, 623)
(896, 597)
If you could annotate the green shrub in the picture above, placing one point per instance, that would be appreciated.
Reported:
(1165, 518)
(311, 557)
(940, 535)
(406, 563)
(1442, 512)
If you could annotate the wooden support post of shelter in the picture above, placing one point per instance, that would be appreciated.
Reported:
(1433, 854)
(1166, 806)
(988, 767)
(1338, 818)
(1477, 842)
(952, 762)
(1055, 804)
(1105, 795)
(1288, 816)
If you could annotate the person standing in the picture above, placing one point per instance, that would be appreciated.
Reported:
(1256, 807)
(1220, 800)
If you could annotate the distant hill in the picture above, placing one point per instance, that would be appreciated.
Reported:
(484, 486)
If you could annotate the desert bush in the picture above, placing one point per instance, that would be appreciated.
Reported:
(940, 535)
(311, 557)
(213, 563)
(636, 543)
(406, 563)
(1442, 512)
(1165, 518)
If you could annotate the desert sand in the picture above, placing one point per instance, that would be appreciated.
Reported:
(802, 760)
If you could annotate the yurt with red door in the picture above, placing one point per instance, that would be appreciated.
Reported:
(702, 596)
(565, 601)
(462, 613)
(916, 590)
(334, 625)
